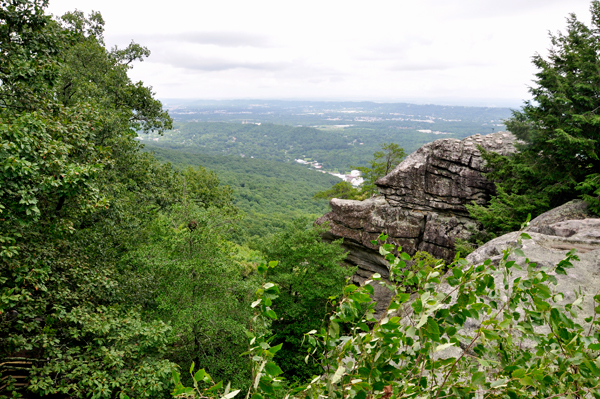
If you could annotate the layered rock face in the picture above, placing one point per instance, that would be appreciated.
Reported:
(421, 206)
(422, 201)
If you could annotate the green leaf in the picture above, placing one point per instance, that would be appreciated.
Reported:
(490, 334)
(276, 348)
(519, 252)
(527, 381)
(518, 373)
(432, 327)
(457, 272)
(334, 329)
(403, 297)
(478, 378)
(350, 289)
(273, 369)
(200, 375)
(215, 387)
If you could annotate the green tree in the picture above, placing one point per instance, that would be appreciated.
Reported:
(342, 190)
(559, 129)
(309, 272)
(202, 187)
(66, 148)
(187, 273)
(383, 162)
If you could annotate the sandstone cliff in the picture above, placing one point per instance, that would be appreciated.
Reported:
(421, 205)
(553, 234)
(422, 202)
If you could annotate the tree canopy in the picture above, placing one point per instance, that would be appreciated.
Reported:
(68, 115)
(559, 131)
(383, 162)
(115, 269)
(310, 272)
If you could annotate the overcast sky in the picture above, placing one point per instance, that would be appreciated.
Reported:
(471, 52)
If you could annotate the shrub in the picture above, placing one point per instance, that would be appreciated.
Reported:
(422, 348)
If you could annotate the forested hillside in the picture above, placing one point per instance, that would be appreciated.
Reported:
(270, 193)
(117, 270)
(336, 148)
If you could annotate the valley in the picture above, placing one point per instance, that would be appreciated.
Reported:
(275, 166)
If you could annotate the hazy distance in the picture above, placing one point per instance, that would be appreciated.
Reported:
(457, 52)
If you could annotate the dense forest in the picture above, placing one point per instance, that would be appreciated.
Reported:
(270, 193)
(336, 147)
(117, 269)
(132, 272)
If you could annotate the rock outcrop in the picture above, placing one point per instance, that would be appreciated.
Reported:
(553, 234)
(422, 203)
(444, 175)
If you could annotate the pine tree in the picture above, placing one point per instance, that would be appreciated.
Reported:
(559, 129)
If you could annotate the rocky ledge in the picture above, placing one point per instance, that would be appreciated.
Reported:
(422, 202)
(421, 205)
(552, 235)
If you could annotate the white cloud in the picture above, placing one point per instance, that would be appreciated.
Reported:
(196, 63)
(216, 38)
(384, 49)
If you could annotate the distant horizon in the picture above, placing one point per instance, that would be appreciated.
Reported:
(450, 102)
(458, 52)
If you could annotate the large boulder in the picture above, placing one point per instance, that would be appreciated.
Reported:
(553, 234)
